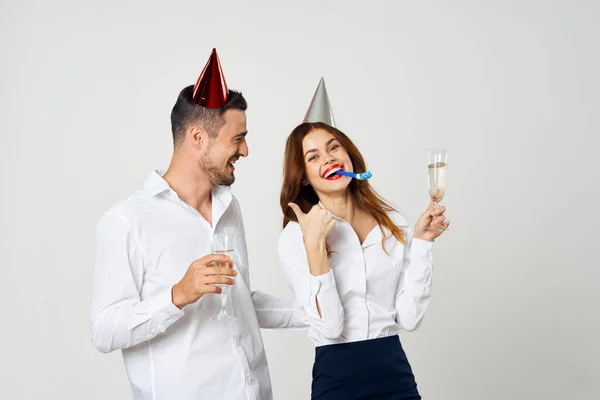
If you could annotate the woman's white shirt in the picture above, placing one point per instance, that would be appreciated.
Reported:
(368, 293)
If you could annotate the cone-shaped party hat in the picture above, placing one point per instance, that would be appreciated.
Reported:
(211, 90)
(320, 109)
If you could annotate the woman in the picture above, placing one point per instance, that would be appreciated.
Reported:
(359, 271)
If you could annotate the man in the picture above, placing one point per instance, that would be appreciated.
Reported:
(154, 285)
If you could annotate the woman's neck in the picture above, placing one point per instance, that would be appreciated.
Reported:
(342, 206)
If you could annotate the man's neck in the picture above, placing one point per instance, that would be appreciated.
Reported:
(191, 185)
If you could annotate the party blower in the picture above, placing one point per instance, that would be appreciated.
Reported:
(361, 177)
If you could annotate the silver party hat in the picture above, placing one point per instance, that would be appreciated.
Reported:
(320, 109)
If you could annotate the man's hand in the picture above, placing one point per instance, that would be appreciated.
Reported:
(201, 278)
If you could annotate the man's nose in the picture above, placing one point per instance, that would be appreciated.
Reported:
(243, 151)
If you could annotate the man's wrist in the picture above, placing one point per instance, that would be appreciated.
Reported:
(177, 297)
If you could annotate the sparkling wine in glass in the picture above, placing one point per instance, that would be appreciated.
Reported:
(436, 173)
(223, 244)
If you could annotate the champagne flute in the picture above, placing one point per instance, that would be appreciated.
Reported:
(223, 244)
(436, 172)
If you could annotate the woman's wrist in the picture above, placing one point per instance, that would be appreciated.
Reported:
(423, 237)
(317, 257)
(315, 245)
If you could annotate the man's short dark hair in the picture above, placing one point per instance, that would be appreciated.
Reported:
(186, 112)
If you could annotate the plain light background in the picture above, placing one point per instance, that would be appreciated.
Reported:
(511, 87)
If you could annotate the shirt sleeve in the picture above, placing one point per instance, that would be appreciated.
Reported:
(271, 312)
(414, 286)
(309, 288)
(119, 317)
(278, 313)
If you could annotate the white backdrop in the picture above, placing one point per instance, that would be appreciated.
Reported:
(510, 87)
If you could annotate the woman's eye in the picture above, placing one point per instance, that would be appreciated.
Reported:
(334, 147)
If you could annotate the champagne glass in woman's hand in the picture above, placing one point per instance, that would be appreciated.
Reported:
(436, 178)
(433, 216)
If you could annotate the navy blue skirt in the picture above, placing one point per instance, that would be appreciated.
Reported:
(374, 369)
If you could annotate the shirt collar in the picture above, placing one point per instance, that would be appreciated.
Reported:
(221, 196)
(156, 184)
(375, 237)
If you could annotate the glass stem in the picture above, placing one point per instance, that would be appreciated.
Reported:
(224, 299)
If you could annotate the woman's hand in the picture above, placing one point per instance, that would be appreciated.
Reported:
(315, 225)
(432, 217)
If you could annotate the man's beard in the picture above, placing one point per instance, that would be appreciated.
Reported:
(216, 176)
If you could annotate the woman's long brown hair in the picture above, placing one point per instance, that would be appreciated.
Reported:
(293, 191)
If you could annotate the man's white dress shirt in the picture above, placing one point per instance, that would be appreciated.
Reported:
(145, 244)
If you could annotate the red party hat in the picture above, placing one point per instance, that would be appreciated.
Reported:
(211, 90)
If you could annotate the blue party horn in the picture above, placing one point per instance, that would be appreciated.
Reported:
(361, 177)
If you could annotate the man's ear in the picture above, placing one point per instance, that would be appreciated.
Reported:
(197, 135)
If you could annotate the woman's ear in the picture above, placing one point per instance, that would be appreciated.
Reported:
(304, 181)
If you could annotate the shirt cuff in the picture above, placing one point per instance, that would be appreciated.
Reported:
(321, 284)
(421, 248)
(163, 310)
